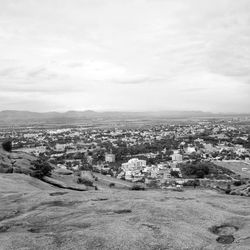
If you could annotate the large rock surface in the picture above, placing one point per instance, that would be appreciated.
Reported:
(63, 184)
(15, 162)
(36, 215)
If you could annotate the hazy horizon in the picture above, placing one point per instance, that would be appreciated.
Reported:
(128, 111)
(114, 55)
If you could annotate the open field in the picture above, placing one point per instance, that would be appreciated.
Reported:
(236, 166)
(35, 215)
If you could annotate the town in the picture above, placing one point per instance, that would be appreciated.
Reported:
(156, 155)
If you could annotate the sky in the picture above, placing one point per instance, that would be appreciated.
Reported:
(133, 55)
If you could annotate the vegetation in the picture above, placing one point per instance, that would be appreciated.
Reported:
(41, 168)
(204, 169)
(7, 145)
(137, 187)
(174, 174)
(85, 181)
(112, 184)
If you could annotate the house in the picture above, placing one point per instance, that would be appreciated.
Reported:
(109, 157)
(177, 157)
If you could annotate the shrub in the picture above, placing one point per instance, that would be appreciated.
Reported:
(112, 184)
(41, 168)
(137, 187)
(85, 181)
(152, 183)
(237, 183)
(200, 174)
(191, 183)
(174, 174)
(7, 145)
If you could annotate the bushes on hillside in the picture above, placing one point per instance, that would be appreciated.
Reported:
(7, 145)
(137, 187)
(41, 168)
(192, 183)
(112, 184)
(84, 181)
(237, 183)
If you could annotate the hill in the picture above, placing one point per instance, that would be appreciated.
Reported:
(13, 117)
(35, 215)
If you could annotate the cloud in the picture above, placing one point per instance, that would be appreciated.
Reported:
(194, 89)
(174, 53)
(137, 79)
(42, 74)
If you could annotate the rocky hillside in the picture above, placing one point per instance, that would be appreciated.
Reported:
(15, 162)
(22, 163)
(36, 215)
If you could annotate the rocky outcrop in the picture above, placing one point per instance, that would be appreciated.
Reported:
(84, 177)
(243, 190)
(62, 171)
(19, 162)
(15, 162)
(62, 184)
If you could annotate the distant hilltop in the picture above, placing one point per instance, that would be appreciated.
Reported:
(14, 116)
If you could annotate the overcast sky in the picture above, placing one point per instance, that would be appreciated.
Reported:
(125, 55)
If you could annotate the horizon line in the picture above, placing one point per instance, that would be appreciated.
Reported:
(129, 111)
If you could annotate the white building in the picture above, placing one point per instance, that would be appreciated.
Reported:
(62, 147)
(30, 135)
(134, 164)
(190, 150)
(177, 157)
(35, 150)
(109, 157)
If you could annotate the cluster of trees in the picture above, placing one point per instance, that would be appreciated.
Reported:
(244, 143)
(203, 169)
(197, 170)
(141, 148)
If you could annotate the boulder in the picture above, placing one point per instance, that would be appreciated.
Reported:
(62, 171)
(16, 162)
(84, 177)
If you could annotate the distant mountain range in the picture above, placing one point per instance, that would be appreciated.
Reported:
(14, 116)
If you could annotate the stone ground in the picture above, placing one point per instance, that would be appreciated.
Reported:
(35, 215)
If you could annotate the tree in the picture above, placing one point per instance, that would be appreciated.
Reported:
(198, 170)
(41, 168)
(7, 145)
(200, 174)
(174, 174)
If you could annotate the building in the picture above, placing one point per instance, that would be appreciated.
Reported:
(177, 157)
(190, 150)
(109, 157)
(34, 150)
(134, 164)
(60, 147)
